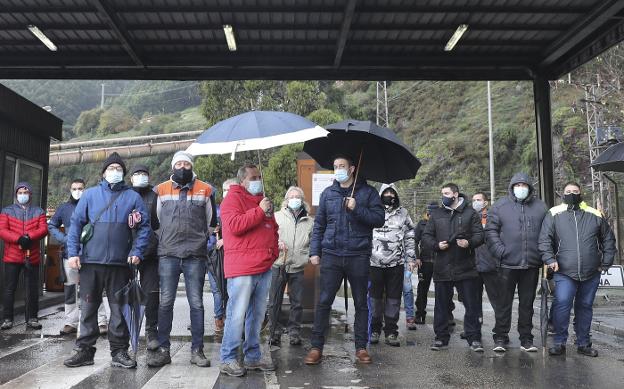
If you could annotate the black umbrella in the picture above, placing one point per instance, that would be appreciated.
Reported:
(132, 300)
(545, 291)
(277, 300)
(612, 159)
(382, 156)
(216, 267)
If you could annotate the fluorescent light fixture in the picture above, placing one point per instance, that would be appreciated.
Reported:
(229, 37)
(450, 45)
(42, 37)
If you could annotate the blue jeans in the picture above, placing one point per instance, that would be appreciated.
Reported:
(246, 308)
(408, 295)
(569, 292)
(169, 270)
(219, 311)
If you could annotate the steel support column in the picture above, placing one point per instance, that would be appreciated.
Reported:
(541, 96)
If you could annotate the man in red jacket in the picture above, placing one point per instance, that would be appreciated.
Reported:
(22, 225)
(250, 248)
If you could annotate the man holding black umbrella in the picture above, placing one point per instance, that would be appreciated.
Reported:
(341, 242)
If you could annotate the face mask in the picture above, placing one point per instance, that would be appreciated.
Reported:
(478, 205)
(76, 194)
(255, 187)
(294, 204)
(341, 175)
(182, 176)
(521, 192)
(572, 199)
(113, 177)
(388, 200)
(140, 181)
(448, 201)
(23, 198)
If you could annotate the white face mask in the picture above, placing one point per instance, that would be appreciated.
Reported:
(140, 180)
(521, 192)
(113, 177)
(294, 204)
(23, 198)
(478, 205)
(76, 194)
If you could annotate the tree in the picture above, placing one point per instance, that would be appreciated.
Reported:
(281, 172)
(115, 120)
(87, 122)
(303, 97)
(324, 116)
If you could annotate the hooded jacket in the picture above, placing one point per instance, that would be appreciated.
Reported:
(447, 224)
(17, 220)
(340, 232)
(394, 242)
(295, 233)
(579, 239)
(513, 227)
(112, 241)
(249, 235)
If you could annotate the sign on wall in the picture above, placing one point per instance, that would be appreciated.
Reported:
(613, 277)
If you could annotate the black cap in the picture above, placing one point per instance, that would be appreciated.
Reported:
(114, 158)
(139, 168)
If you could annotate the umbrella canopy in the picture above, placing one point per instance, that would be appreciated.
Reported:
(132, 300)
(385, 158)
(612, 159)
(255, 130)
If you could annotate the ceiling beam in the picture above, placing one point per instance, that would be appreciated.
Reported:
(119, 29)
(349, 11)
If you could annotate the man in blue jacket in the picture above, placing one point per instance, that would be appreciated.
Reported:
(341, 243)
(104, 259)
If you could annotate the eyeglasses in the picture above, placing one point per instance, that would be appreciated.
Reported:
(114, 169)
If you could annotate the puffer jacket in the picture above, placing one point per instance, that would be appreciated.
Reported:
(295, 232)
(340, 232)
(17, 220)
(249, 235)
(579, 239)
(446, 224)
(513, 227)
(486, 262)
(112, 241)
(150, 200)
(394, 242)
(424, 253)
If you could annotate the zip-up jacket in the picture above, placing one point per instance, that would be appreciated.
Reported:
(485, 261)
(295, 233)
(62, 217)
(513, 228)
(393, 243)
(150, 200)
(112, 241)
(579, 239)
(424, 253)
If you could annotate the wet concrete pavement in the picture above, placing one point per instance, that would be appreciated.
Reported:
(28, 360)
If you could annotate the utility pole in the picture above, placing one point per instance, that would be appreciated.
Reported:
(382, 104)
(102, 98)
(491, 145)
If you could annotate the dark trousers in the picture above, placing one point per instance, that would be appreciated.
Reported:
(11, 279)
(386, 289)
(279, 279)
(526, 281)
(94, 280)
(489, 280)
(148, 270)
(333, 270)
(469, 290)
(424, 282)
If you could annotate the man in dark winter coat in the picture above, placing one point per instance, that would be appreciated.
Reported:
(487, 265)
(148, 268)
(341, 243)
(424, 262)
(578, 244)
(512, 232)
(103, 258)
(453, 232)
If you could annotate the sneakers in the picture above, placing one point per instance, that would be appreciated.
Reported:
(295, 340)
(393, 340)
(259, 365)
(122, 359)
(219, 325)
(374, 338)
(439, 345)
(33, 324)
(500, 346)
(68, 330)
(587, 351)
(476, 346)
(527, 346)
(158, 358)
(103, 329)
(82, 357)
(7, 324)
(233, 369)
(556, 350)
(198, 358)
(410, 324)
(152, 340)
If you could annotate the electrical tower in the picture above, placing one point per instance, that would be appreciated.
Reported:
(382, 105)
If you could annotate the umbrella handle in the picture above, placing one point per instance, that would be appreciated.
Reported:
(357, 171)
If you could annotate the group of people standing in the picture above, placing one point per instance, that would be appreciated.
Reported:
(358, 233)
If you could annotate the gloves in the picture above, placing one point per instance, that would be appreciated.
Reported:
(25, 242)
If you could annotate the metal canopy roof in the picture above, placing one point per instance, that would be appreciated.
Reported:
(305, 39)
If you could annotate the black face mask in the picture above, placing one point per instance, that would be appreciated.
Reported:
(572, 199)
(388, 200)
(182, 176)
(448, 201)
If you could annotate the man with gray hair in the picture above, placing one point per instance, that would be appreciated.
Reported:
(184, 210)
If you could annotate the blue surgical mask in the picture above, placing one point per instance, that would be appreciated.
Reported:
(341, 175)
(255, 187)
(113, 177)
(294, 204)
(23, 198)
(140, 180)
(521, 192)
